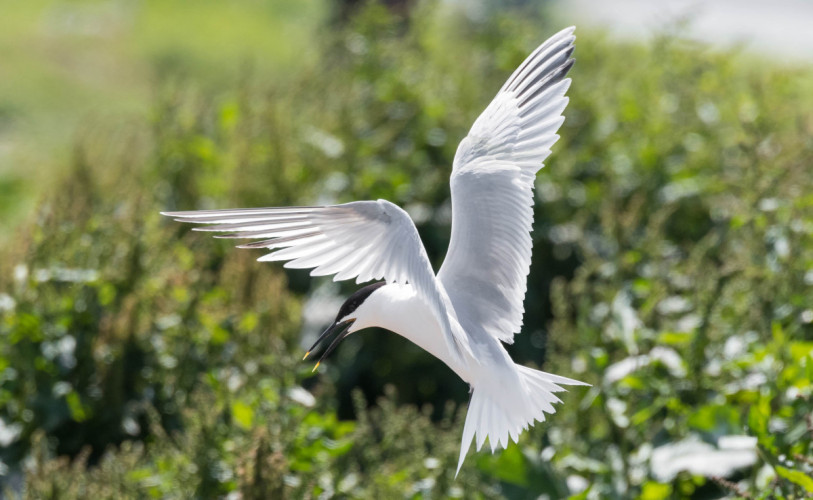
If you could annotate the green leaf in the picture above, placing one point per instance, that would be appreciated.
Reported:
(778, 333)
(796, 477)
(655, 491)
(710, 417)
(243, 414)
(219, 335)
(582, 495)
(758, 417)
(76, 407)
(800, 350)
(339, 448)
(508, 466)
(675, 338)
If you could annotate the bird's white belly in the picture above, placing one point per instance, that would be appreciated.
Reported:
(404, 313)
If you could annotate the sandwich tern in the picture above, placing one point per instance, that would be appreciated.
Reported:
(463, 314)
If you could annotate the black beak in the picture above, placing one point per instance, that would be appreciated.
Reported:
(336, 326)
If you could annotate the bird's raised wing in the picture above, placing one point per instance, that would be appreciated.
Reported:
(492, 180)
(365, 240)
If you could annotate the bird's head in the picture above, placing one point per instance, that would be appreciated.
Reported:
(352, 316)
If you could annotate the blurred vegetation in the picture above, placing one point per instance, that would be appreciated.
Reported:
(72, 67)
(673, 270)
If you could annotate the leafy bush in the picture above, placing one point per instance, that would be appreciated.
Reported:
(672, 270)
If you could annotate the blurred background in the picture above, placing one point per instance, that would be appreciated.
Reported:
(672, 265)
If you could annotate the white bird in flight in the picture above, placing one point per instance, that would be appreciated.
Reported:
(463, 314)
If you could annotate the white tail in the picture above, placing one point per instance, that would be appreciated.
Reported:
(500, 412)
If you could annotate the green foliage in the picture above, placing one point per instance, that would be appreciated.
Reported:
(692, 300)
(672, 270)
(82, 68)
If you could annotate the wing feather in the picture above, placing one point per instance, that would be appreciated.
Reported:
(486, 267)
(365, 240)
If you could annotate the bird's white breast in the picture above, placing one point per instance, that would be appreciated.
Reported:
(399, 309)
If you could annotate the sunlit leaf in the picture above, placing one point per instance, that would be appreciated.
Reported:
(243, 414)
(796, 477)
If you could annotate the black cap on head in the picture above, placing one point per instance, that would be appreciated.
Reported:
(354, 301)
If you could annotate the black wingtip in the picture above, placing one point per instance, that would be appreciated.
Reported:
(551, 79)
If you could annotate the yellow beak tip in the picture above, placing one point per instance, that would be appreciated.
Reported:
(306, 356)
(315, 368)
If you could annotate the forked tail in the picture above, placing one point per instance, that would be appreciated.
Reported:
(499, 412)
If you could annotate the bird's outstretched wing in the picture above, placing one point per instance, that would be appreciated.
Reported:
(492, 180)
(365, 240)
